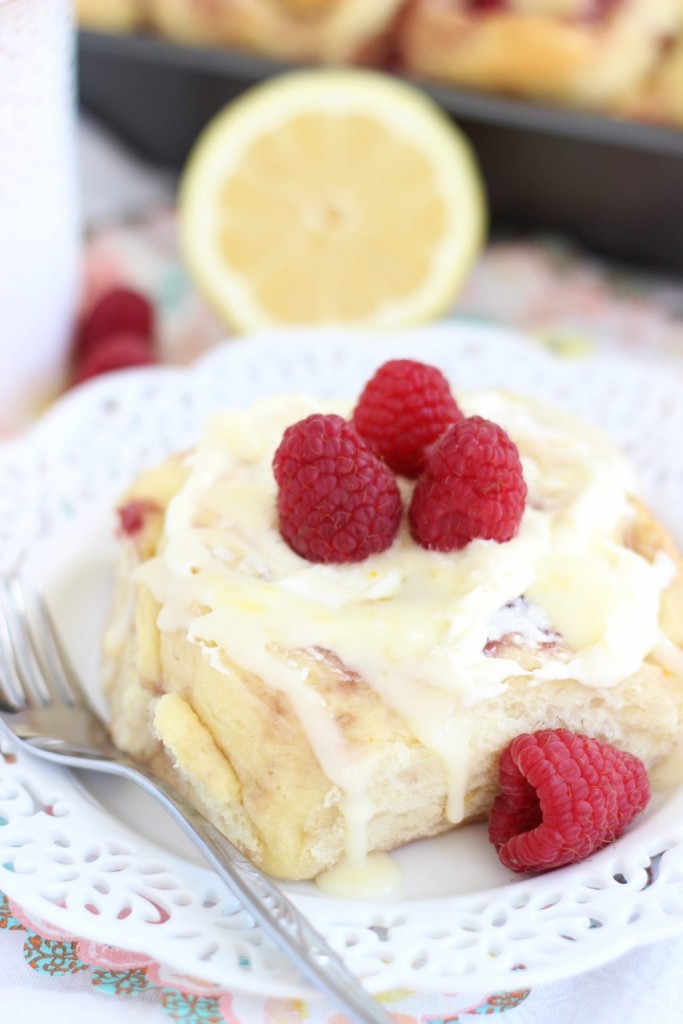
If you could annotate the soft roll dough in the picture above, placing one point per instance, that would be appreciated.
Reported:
(234, 744)
(660, 98)
(110, 15)
(324, 30)
(561, 50)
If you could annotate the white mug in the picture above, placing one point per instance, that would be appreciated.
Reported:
(39, 230)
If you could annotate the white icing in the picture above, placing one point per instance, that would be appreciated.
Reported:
(412, 623)
(375, 876)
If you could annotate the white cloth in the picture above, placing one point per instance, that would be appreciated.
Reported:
(28, 1006)
(643, 987)
(31, 997)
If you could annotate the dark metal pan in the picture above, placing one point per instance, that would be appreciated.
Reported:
(614, 186)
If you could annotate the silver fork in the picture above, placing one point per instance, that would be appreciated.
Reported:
(44, 709)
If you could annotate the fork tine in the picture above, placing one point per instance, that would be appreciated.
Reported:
(12, 696)
(49, 650)
(28, 671)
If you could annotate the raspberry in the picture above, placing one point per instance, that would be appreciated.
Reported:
(119, 310)
(562, 797)
(134, 515)
(472, 487)
(403, 409)
(336, 500)
(116, 352)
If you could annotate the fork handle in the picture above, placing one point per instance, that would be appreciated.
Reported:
(278, 917)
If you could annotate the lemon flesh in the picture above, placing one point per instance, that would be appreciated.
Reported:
(336, 197)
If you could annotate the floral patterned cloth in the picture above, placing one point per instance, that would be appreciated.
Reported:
(572, 304)
(116, 972)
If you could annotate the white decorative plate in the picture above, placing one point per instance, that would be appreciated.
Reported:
(97, 859)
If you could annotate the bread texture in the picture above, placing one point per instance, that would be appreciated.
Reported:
(236, 745)
(110, 15)
(543, 49)
(321, 30)
(623, 58)
(660, 97)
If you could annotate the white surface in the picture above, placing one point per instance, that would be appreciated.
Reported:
(459, 905)
(39, 235)
(643, 987)
(117, 185)
(28, 1006)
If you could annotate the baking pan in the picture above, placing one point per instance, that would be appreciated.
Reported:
(614, 186)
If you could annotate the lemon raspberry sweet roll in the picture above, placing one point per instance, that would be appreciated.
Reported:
(333, 619)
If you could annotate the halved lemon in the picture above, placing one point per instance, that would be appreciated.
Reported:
(336, 197)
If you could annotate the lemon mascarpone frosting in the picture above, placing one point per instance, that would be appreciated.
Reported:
(433, 634)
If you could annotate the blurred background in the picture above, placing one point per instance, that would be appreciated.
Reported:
(564, 100)
(574, 110)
